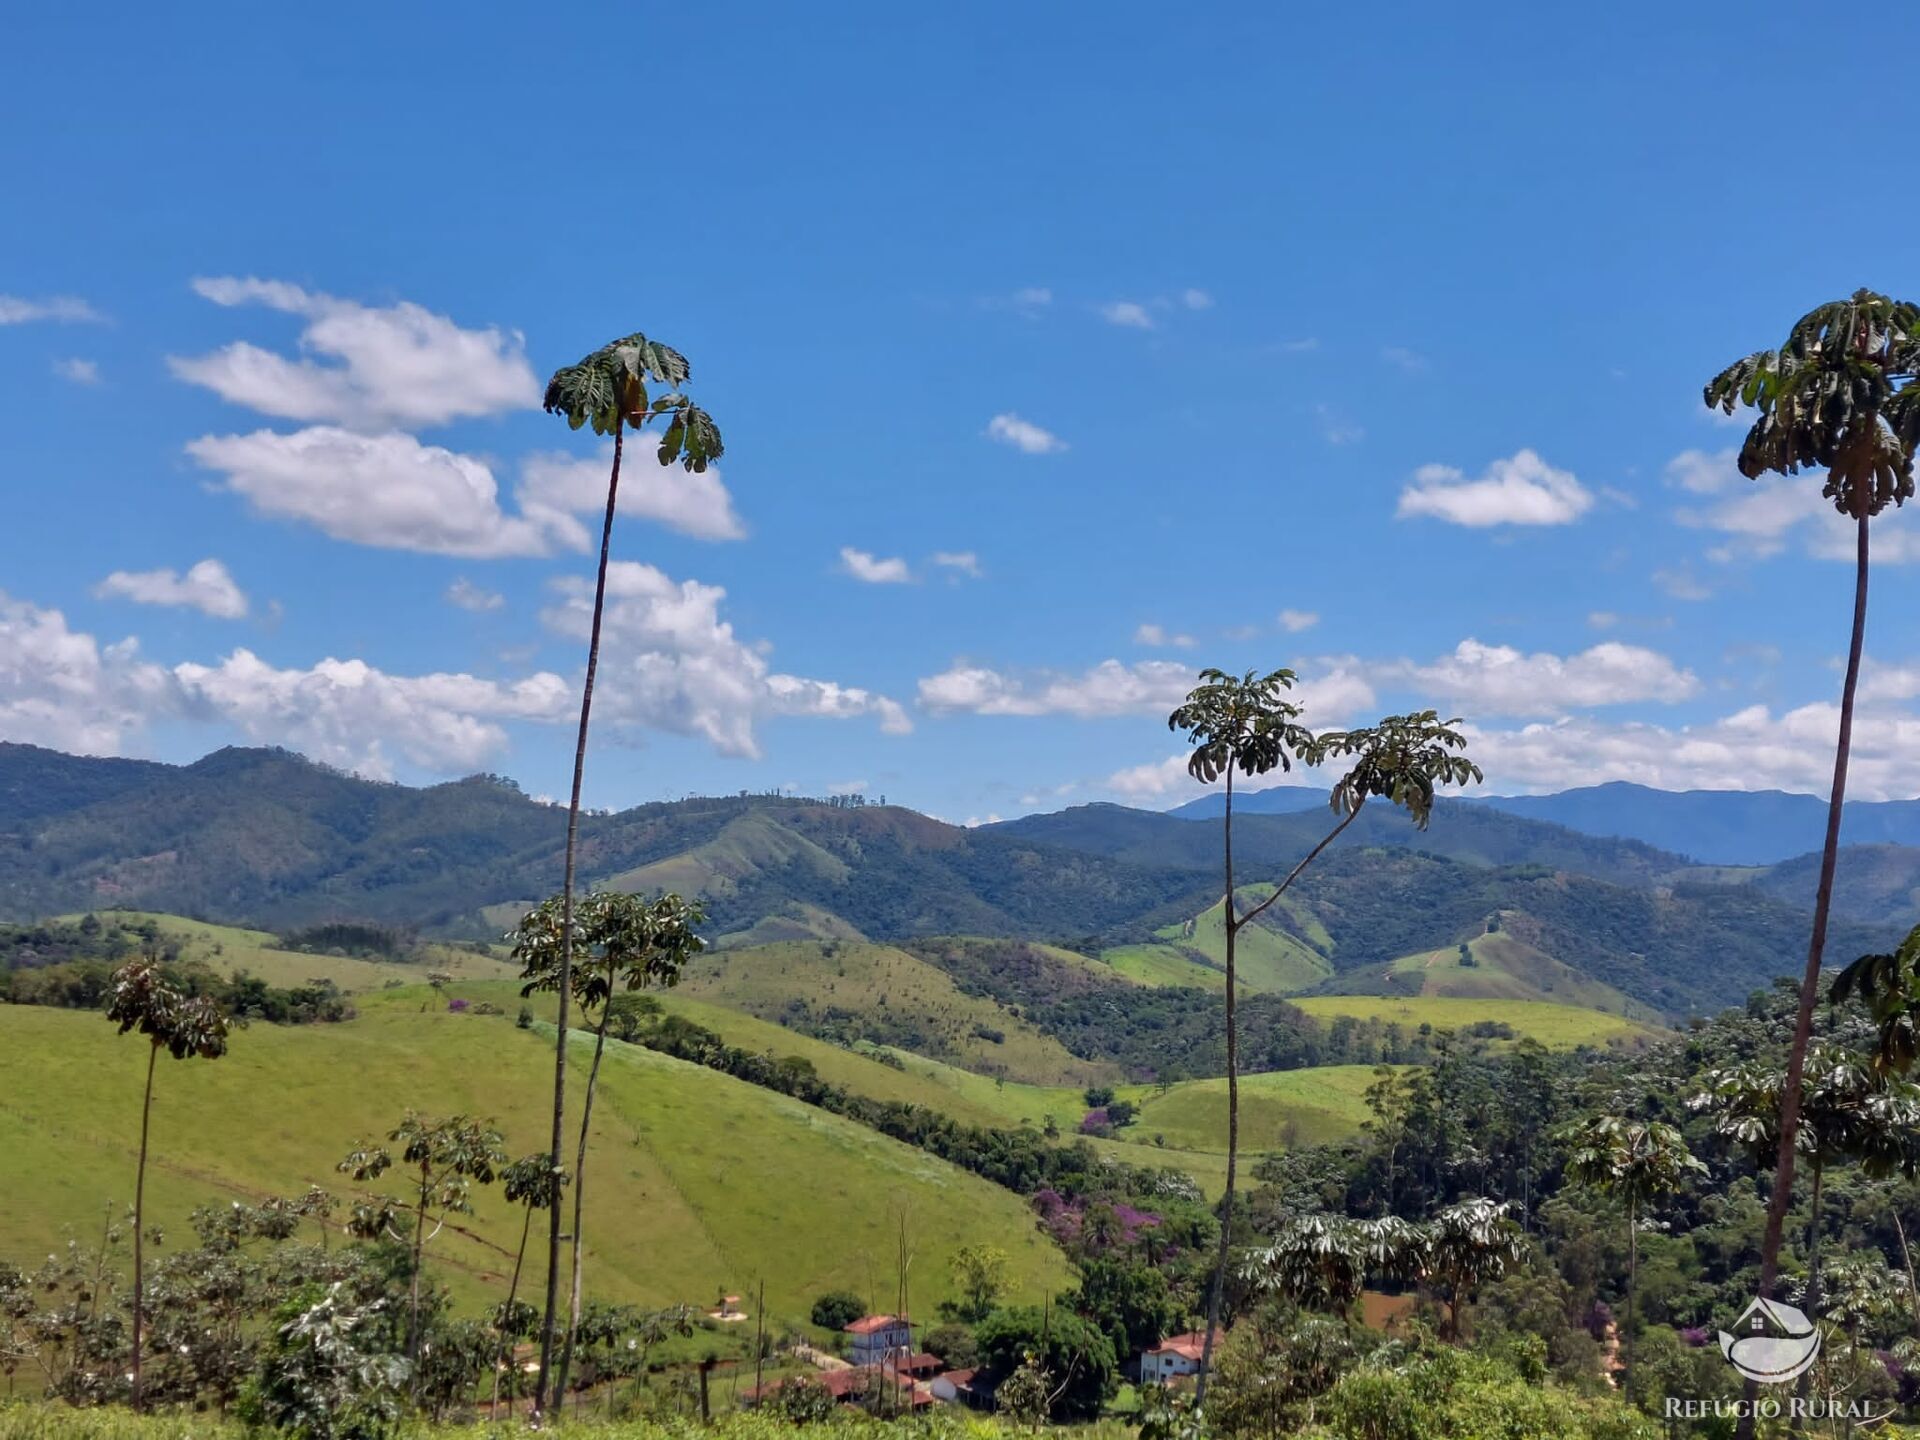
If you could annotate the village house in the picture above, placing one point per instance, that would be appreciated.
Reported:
(1173, 1357)
(876, 1338)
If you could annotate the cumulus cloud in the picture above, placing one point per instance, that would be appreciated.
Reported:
(669, 662)
(1522, 490)
(958, 563)
(869, 569)
(207, 587)
(1500, 680)
(77, 371)
(54, 309)
(556, 488)
(1755, 748)
(1761, 518)
(385, 490)
(1113, 688)
(1294, 621)
(1128, 314)
(351, 714)
(62, 688)
(1023, 435)
(1160, 637)
(1196, 299)
(477, 598)
(365, 367)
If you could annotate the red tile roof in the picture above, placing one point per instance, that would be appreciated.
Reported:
(867, 1324)
(1188, 1346)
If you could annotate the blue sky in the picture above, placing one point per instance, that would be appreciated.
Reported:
(1059, 352)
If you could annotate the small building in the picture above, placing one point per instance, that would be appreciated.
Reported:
(956, 1387)
(1173, 1357)
(860, 1386)
(877, 1338)
(920, 1366)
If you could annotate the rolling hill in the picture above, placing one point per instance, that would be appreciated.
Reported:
(703, 1182)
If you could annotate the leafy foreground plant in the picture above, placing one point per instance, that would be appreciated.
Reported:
(1245, 723)
(1836, 396)
(607, 390)
(142, 999)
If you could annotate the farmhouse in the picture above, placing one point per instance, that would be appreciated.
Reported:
(1173, 1357)
(879, 1337)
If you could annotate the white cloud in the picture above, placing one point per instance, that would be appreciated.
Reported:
(1682, 584)
(1500, 680)
(207, 587)
(554, 488)
(1153, 779)
(1128, 314)
(1159, 636)
(376, 366)
(1294, 621)
(1336, 429)
(78, 371)
(1761, 517)
(847, 787)
(477, 598)
(351, 714)
(1025, 436)
(1523, 490)
(385, 490)
(1032, 297)
(1602, 619)
(1149, 687)
(669, 662)
(959, 562)
(1751, 749)
(57, 309)
(62, 688)
(1399, 356)
(864, 566)
(1301, 346)
(1196, 299)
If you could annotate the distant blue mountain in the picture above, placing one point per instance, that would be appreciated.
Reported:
(1715, 827)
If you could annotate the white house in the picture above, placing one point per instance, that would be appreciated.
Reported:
(878, 1338)
(1173, 1357)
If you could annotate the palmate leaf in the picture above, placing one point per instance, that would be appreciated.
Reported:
(1834, 397)
(608, 388)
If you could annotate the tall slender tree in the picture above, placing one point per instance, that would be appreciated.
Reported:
(1636, 1161)
(623, 942)
(1836, 396)
(1244, 723)
(143, 999)
(444, 1160)
(606, 390)
(527, 1182)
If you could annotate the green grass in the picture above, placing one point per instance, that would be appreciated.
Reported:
(1265, 959)
(229, 948)
(1507, 968)
(893, 993)
(1558, 1027)
(699, 1181)
(1162, 965)
(1278, 1110)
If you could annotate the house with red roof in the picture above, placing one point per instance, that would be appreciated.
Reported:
(1173, 1357)
(876, 1339)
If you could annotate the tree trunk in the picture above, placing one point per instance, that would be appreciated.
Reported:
(551, 1315)
(1633, 1286)
(1233, 1119)
(413, 1293)
(139, 1227)
(580, 1181)
(513, 1291)
(1782, 1196)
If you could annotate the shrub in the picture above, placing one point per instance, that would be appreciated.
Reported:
(837, 1309)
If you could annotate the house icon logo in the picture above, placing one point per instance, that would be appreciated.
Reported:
(1772, 1342)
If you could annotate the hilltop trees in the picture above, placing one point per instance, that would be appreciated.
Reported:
(142, 999)
(626, 942)
(1245, 723)
(607, 390)
(1836, 396)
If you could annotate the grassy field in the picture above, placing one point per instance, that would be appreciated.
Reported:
(1506, 968)
(1278, 1110)
(1558, 1027)
(1162, 964)
(228, 948)
(889, 993)
(1269, 960)
(699, 1181)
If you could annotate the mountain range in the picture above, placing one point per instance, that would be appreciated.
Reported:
(268, 838)
(1712, 827)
